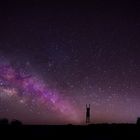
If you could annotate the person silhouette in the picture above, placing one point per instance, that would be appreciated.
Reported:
(87, 113)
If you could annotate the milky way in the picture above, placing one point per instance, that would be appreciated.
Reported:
(31, 88)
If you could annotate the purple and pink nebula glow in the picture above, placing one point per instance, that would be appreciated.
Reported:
(33, 88)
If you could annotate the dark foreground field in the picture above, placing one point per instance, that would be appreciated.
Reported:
(94, 132)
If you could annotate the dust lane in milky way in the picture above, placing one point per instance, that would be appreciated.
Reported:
(33, 87)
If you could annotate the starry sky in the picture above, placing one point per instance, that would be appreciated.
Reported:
(56, 58)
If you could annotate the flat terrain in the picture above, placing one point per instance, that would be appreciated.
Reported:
(89, 132)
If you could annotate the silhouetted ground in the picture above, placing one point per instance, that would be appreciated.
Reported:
(90, 132)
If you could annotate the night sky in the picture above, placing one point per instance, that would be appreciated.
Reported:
(56, 58)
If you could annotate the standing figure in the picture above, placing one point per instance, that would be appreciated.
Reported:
(87, 113)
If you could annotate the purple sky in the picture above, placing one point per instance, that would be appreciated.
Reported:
(55, 59)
